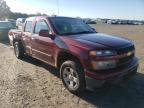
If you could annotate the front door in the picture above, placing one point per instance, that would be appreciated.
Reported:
(42, 47)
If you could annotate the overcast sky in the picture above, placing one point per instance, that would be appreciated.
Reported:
(124, 9)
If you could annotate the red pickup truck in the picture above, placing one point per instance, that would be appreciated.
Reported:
(82, 55)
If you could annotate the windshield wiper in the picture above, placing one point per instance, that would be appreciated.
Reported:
(68, 33)
(75, 33)
(85, 32)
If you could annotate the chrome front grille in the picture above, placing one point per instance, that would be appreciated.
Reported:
(128, 53)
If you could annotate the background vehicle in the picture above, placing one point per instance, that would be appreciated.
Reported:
(89, 21)
(5, 26)
(123, 22)
(135, 22)
(82, 55)
(20, 22)
(112, 22)
(12, 21)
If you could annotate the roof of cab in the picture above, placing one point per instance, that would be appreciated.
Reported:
(33, 18)
(30, 19)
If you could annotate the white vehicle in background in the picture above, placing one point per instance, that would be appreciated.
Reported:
(20, 22)
(112, 22)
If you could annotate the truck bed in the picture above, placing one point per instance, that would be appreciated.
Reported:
(15, 30)
(14, 33)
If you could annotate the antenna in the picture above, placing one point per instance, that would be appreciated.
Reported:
(58, 6)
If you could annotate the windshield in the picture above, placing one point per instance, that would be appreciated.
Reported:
(5, 25)
(70, 26)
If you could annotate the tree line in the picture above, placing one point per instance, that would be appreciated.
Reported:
(6, 13)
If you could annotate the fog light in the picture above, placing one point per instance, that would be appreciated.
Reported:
(100, 65)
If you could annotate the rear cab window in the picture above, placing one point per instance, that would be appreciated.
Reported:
(28, 26)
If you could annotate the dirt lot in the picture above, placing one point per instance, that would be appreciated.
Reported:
(29, 83)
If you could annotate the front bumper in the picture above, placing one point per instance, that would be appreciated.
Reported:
(108, 75)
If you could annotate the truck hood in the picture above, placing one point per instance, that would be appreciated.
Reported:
(103, 39)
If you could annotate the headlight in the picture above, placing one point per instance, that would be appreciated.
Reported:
(102, 53)
(101, 65)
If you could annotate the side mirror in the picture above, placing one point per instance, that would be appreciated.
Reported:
(93, 29)
(44, 33)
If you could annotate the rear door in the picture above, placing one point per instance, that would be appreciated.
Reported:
(26, 36)
(42, 47)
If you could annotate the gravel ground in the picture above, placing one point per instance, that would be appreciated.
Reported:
(29, 83)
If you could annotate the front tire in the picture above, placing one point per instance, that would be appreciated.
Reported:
(18, 50)
(72, 76)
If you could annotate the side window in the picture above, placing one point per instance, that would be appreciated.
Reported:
(39, 26)
(28, 26)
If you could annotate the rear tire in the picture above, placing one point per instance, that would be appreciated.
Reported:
(18, 50)
(72, 76)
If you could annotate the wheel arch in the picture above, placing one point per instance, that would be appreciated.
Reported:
(65, 55)
(18, 40)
